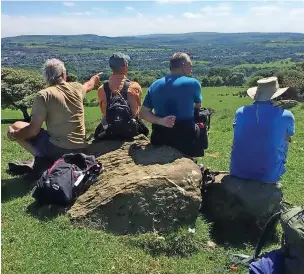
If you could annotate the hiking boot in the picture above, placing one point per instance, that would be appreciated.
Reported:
(20, 167)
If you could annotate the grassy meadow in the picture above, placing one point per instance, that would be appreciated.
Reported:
(38, 243)
(275, 64)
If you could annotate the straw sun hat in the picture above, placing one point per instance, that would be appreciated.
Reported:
(267, 89)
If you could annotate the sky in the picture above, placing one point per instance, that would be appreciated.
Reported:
(124, 18)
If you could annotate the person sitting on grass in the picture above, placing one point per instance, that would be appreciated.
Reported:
(174, 98)
(60, 105)
(120, 102)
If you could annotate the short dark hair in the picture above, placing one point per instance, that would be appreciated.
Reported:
(179, 59)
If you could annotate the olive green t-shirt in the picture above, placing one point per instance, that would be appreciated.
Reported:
(62, 105)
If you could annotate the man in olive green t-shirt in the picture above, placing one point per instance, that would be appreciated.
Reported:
(60, 105)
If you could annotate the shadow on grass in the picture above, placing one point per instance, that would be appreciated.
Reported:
(45, 212)
(9, 121)
(15, 188)
(238, 233)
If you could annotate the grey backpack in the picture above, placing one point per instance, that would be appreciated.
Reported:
(292, 221)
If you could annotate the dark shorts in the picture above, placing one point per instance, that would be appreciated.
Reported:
(44, 148)
(185, 136)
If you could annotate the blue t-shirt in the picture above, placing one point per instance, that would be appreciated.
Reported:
(259, 147)
(174, 95)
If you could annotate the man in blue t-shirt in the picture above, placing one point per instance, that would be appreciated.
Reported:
(261, 135)
(173, 99)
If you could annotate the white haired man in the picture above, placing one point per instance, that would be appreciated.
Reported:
(60, 105)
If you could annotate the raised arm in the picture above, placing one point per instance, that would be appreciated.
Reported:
(94, 81)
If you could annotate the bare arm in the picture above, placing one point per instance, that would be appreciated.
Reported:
(148, 115)
(94, 81)
(31, 130)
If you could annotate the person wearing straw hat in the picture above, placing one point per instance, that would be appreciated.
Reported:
(261, 135)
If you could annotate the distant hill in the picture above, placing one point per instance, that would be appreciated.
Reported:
(87, 53)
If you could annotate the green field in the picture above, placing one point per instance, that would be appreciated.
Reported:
(32, 244)
(275, 64)
(285, 44)
(67, 50)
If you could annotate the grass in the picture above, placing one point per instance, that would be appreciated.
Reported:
(32, 244)
(275, 64)
(284, 44)
(82, 50)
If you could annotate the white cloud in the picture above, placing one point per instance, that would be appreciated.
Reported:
(219, 10)
(170, 16)
(174, 1)
(99, 9)
(129, 8)
(191, 15)
(265, 10)
(69, 4)
(160, 19)
(297, 12)
(145, 24)
(75, 13)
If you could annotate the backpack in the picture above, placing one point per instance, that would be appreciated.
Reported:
(119, 115)
(289, 259)
(66, 179)
(202, 118)
(292, 222)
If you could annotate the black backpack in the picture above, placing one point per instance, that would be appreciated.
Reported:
(66, 179)
(119, 115)
(202, 119)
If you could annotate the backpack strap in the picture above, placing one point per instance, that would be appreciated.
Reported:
(124, 91)
(108, 92)
(263, 237)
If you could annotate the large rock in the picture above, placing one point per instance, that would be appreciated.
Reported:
(143, 188)
(229, 198)
(287, 104)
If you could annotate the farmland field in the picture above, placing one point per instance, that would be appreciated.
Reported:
(37, 244)
(276, 64)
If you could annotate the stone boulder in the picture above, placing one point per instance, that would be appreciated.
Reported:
(230, 198)
(287, 104)
(143, 188)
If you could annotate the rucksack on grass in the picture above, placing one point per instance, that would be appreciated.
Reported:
(289, 259)
(66, 179)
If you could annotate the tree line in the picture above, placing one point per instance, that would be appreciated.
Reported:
(19, 86)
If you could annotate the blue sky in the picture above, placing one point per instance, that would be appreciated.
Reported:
(119, 18)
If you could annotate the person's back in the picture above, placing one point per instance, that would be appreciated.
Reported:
(261, 135)
(62, 105)
(174, 95)
(174, 99)
(119, 101)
